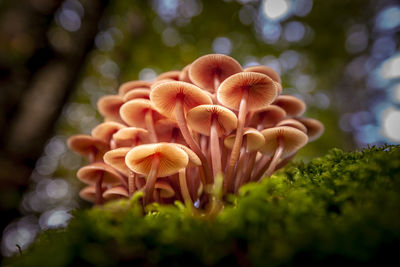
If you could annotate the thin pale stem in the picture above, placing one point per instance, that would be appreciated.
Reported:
(150, 126)
(131, 183)
(251, 162)
(263, 166)
(285, 161)
(214, 147)
(180, 117)
(238, 140)
(276, 158)
(184, 188)
(151, 180)
(239, 169)
(99, 189)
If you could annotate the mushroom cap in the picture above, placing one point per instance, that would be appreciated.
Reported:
(262, 90)
(116, 159)
(86, 144)
(271, 115)
(128, 86)
(293, 139)
(109, 105)
(115, 193)
(134, 112)
(104, 131)
(203, 70)
(199, 119)
(270, 72)
(291, 104)
(254, 139)
(314, 128)
(193, 158)
(88, 193)
(173, 75)
(184, 75)
(89, 174)
(172, 158)
(166, 190)
(126, 137)
(164, 97)
(293, 123)
(137, 93)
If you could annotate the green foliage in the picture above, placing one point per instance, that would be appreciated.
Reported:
(343, 208)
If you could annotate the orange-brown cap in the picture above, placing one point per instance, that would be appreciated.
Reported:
(203, 70)
(91, 173)
(291, 104)
(143, 93)
(109, 105)
(293, 123)
(262, 90)
(166, 190)
(293, 140)
(115, 192)
(88, 193)
(314, 128)
(193, 158)
(87, 145)
(254, 139)
(128, 137)
(184, 75)
(104, 131)
(199, 119)
(268, 116)
(172, 158)
(133, 112)
(116, 159)
(128, 86)
(164, 97)
(173, 75)
(265, 70)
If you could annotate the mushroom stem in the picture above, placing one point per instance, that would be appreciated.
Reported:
(285, 161)
(214, 147)
(251, 163)
(150, 126)
(239, 169)
(180, 116)
(238, 139)
(216, 82)
(263, 163)
(99, 191)
(151, 180)
(276, 158)
(131, 183)
(184, 188)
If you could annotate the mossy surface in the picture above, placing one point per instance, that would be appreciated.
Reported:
(343, 208)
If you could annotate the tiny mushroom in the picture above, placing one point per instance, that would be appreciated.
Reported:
(132, 85)
(292, 105)
(109, 106)
(88, 146)
(115, 192)
(314, 128)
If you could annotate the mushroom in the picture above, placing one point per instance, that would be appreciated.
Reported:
(174, 100)
(293, 123)
(173, 75)
(184, 75)
(267, 71)
(88, 193)
(162, 189)
(214, 121)
(104, 131)
(209, 71)
(88, 146)
(292, 105)
(109, 105)
(100, 174)
(130, 137)
(243, 92)
(115, 192)
(137, 93)
(155, 160)
(141, 113)
(131, 85)
(267, 117)
(280, 142)
(314, 128)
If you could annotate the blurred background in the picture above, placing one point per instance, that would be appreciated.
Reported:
(57, 58)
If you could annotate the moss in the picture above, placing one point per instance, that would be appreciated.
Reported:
(343, 208)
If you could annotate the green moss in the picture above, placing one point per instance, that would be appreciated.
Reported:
(341, 208)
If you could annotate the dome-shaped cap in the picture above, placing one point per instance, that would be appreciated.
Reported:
(115, 192)
(184, 75)
(104, 131)
(109, 105)
(116, 159)
(164, 97)
(270, 72)
(291, 104)
(128, 136)
(131, 85)
(90, 174)
(137, 93)
(133, 112)
(166, 190)
(293, 123)
(205, 69)
(193, 158)
(88, 193)
(173, 75)
(293, 140)
(314, 128)
(268, 116)
(199, 119)
(87, 145)
(254, 139)
(262, 90)
(172, 158)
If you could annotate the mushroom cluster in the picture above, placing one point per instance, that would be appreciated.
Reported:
(171, 138)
